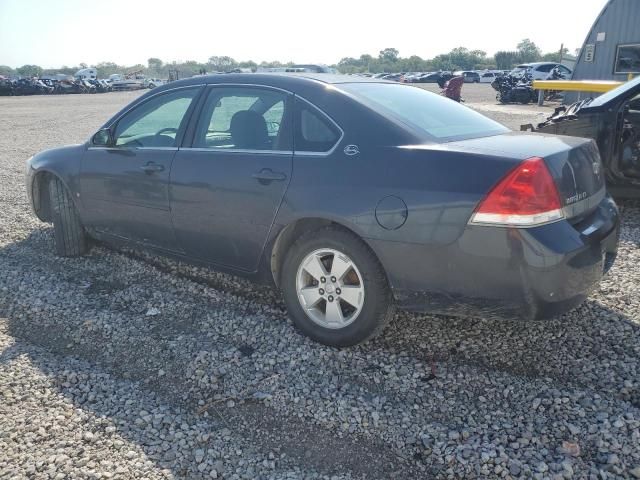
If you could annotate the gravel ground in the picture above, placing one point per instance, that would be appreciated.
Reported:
(125, 365)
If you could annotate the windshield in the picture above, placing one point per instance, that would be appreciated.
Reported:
(440, 118)
(623, 89)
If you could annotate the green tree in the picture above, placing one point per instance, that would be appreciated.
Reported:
(555, 56)
(529, 51)
(155, 64)
(506, 60)
(108, 68)
(221, 64)
(6, 70)
(389, 55)
(29, 71)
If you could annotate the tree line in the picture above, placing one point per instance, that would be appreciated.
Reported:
(388, 60)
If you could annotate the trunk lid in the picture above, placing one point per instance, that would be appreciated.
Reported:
(574, 163)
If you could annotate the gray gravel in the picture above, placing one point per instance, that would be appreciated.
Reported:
(126, 365)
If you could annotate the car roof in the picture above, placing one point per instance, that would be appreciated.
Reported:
(278, 79)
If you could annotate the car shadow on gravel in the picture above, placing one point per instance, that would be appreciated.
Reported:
(224, 355)
(251, 427)
(76, 315)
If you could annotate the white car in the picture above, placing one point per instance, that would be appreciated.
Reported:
(153, 82)
(488, 77)
(541, 70)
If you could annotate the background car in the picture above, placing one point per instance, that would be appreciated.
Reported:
(541, 70)
(152, 82)
(469, 76)
(488, 77)
(434, 77)
(351, 199)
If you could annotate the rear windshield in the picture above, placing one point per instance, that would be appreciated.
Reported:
(441, 119)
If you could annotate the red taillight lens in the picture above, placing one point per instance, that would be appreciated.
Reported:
(527, 196)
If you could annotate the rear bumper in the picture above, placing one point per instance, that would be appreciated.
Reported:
(530, 273)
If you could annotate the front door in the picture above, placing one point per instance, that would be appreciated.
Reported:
(226, 188)
(124, 187)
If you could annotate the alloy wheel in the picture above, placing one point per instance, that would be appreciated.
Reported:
(330, 288)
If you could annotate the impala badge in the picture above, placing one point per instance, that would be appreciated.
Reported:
(351, 150)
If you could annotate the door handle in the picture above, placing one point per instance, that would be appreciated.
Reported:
(152, 167)
(267, 175)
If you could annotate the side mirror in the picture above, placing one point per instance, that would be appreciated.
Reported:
(102, 138)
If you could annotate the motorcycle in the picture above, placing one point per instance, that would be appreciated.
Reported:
(514, 89)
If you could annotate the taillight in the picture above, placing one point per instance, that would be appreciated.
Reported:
(526, 197)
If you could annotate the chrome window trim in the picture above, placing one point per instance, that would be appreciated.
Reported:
(237, 150)
(120, 149)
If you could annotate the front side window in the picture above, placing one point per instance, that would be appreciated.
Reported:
(242, 118)
(313, 131)
(435, 116)
(545, 68)
(156, 122)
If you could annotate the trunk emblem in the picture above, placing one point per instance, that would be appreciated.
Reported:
(596, 168)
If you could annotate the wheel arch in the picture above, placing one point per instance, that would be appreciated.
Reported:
(291, 232)
(40, 193)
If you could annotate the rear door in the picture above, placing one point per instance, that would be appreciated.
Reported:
(227, 184)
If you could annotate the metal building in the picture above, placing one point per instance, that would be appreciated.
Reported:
(611, 50)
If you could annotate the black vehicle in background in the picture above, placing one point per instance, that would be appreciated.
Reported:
(514, 89)
(613, 121)
(436, 77)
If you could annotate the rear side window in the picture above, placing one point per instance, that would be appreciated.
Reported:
(437, 118)
(313, 130)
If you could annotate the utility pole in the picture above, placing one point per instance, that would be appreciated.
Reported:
(561, 52)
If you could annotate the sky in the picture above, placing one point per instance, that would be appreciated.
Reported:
(52, 33)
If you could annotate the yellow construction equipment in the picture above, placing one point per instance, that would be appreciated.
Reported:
(591, 86)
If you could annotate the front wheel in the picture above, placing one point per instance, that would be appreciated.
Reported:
(335, 289)
(68, 233)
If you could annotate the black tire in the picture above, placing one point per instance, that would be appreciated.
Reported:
(377, 309)
(69, 236)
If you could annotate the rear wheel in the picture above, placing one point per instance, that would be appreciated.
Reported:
(69, 236)
(335, 288)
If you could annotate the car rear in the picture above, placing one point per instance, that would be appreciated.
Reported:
(498, 223)
(554, 214)
(533, 246)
